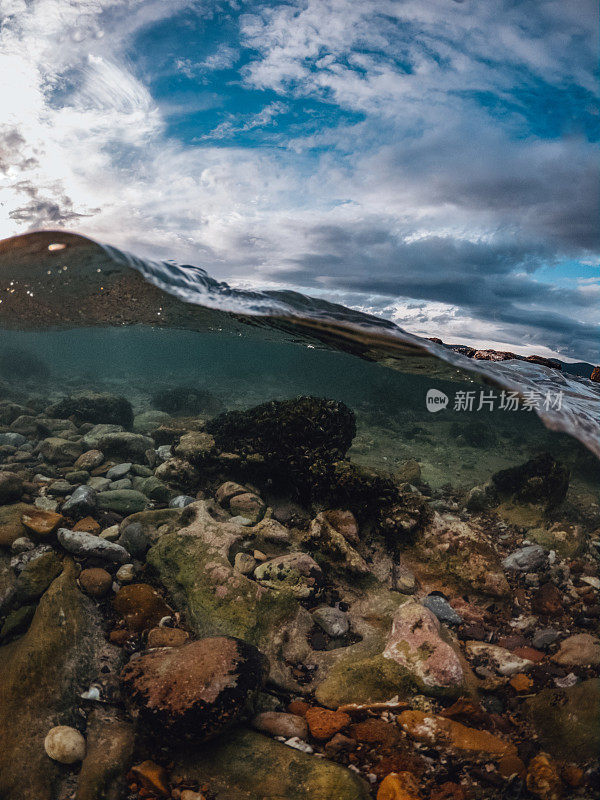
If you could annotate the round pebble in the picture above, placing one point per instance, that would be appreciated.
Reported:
(64, 744)
(126, 573)
(95, 581)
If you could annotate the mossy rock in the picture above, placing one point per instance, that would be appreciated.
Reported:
(193, 564)
(568, 720)
(41, 676)
(367, 679)
(36, 576)
(245, 765)
(567, 543)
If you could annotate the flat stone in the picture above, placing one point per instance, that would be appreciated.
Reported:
(580, 650)
(436, 730)
(88, 545)
(502, 661)
(41, 522)
(543, 639)
(277, 723)
(60, 451)
(123, 501)
(118, 471)
(526, 559)
(82, 502)
(442, 609)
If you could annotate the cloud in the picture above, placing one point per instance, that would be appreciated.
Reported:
(416, 159)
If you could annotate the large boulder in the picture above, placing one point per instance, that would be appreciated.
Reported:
(60, 451)
(194, 564)
(248, 765)
(417, 643)
(540, 480)
(126, 446)
(193, 692)
(567, 721)
(41, 677)
(95, 408)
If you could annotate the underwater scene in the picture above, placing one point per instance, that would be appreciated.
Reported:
(258, 546)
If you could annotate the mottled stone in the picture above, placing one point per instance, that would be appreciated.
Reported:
(194, 691)
(86, 544)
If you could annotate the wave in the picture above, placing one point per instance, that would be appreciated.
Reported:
(53, 279)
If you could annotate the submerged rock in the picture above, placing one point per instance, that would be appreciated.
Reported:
(415, 643)
(65, 744)
(125, 445)
(297, 573)
(437, 730)
(95, 408)
(11, 487)
(526, 559)
(86, 544)
(83, 501)
(540, 480)
(567, 720)
(123, 501)
(193, 692)
(248, 764)
(141, 606)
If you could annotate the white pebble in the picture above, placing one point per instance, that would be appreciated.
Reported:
(64, 744)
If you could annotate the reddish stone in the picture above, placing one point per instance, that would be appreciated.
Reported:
(467, 711)
(448, 791)
(140, 606)
(41, 522)
(344, 522)
(595, 376)
(529, 653)
(511, 765)
(298, 707)
(375, 731)
(405, 760)
(547, 601)
(95, 581)
(324, 723)
(87, 525)
(511, 642)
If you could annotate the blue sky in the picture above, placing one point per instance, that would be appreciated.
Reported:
(434, 162)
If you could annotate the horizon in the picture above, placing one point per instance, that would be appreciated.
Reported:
(434, 165)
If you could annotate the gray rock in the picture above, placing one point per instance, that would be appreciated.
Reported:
(155, 490)
(93, 436)
(141, 471)
(60, 451)
(118, 471)
(442, 609)
(164, 452)
(81, 503)
(11, 487)
(543, 639)
(21, 545)
(123, 501)
(13, 439)
(86, 544)
(181, 501)
(77, 476)
(134, 540)
(149, 421)
(60, 488)
(98, 483)
(526, 559)
(122, 483)
(332, 620)
(126, 445)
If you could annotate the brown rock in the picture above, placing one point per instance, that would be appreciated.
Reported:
(167, 637)
(529, 654)
(119, 636)
(511, 765)
(448, 791)
(324, 724)
(572, 775)
(109, 747)
(87, 525)
(595, 376)
(280, 724)
(140, 606)
(375, 731)
(95, 581)
(193, 692)
(437, 730)
(547, 601)
(89, 460)
(41, 522)
(521, 682)
(581, 649)
(299, 707)
(152, 776)
(11, 487)
(543, 779)
(339, 744)
(398, 786)
(344, 522)
(11, 525)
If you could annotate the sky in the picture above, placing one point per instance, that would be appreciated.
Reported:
(432, 162)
